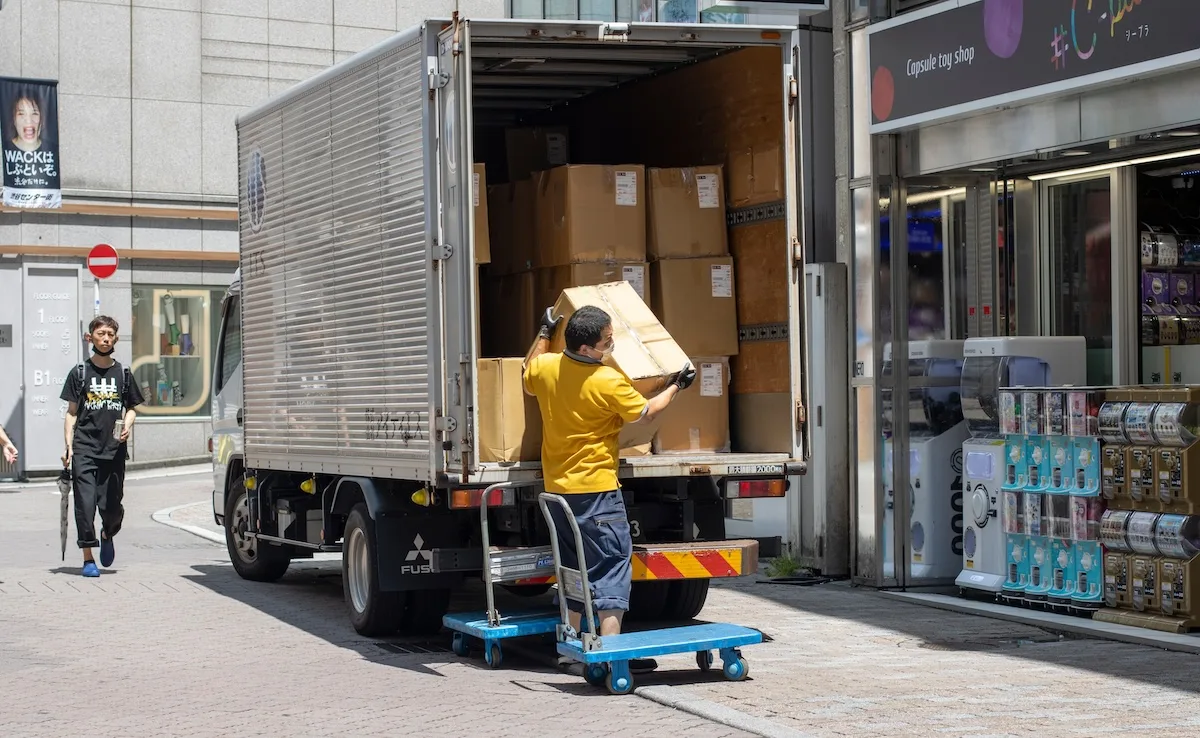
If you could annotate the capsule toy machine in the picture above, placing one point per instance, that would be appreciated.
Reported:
(1056, 503)
(1034, 564)
(1114, 479)
(994, 458)
(1177, 460)
(936, 431)
(1115, 543)
(1139, 454)
(1144, 560)
(1087, 505)
(1177, 537)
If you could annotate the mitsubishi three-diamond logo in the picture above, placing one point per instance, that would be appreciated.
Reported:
(418, 554)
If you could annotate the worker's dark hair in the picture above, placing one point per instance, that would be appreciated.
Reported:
(585, 327)
(103, 320)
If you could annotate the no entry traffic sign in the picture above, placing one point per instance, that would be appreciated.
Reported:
(102, 261)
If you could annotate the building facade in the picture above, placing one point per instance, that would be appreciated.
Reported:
(148, 92)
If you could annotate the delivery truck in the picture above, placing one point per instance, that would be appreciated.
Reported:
(366, 381)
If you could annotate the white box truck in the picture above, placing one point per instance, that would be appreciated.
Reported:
(344, 410)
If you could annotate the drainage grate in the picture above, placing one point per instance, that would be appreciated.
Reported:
(988, 644)
(413, 647)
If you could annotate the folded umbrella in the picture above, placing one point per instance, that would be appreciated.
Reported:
(64, 492)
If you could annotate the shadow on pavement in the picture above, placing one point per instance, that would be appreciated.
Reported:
(940, 630)
(309, 597)
(77, 571)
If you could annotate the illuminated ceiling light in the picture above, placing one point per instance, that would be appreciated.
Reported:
(1115, 165)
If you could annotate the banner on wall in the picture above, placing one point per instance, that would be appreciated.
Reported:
(29, 143)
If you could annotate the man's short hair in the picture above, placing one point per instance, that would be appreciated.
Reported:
(586, 327)
(105, 321)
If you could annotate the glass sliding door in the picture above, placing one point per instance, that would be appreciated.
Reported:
(1079, 259)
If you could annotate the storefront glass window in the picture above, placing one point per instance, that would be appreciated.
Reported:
(1081, 267)
(174, 332)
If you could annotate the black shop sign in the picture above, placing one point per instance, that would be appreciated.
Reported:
(980, 54)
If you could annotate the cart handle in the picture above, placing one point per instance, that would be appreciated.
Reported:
(572, 583)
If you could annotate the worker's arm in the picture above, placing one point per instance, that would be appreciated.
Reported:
(545, 330)
(659, 402)
(69, 430)
(6, 445)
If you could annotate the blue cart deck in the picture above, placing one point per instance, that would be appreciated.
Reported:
(535, 622)
(646, 644)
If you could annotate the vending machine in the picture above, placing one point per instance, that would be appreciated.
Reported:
(936, 432)
(990, 364)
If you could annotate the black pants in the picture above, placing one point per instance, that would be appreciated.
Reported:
(98, 483)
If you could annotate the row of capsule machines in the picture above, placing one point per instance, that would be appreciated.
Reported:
(1150, 482)
(1052, 503)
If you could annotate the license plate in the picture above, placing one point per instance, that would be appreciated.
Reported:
(738, 470)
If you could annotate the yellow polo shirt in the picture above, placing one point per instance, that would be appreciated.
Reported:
(583, 408)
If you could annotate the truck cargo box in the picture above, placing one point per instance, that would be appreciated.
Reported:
(362, 316)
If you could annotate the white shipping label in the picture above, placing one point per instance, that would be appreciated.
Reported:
(712, 380)
(556, 149)
(627, 188)
(475, 188)
(722, 280)
(636, 277)
(708, 190)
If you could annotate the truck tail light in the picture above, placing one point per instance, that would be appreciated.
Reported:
(756, 488)
(461, 499)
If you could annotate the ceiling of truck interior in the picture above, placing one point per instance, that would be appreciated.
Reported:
(514, 79)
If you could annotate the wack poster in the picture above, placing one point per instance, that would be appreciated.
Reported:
(29, 143)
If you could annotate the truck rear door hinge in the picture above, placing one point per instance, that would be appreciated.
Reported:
(438, 80)
(445, 424)
(797, 251)
(442, 251)
(801, 414)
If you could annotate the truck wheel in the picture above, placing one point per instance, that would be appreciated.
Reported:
(252, 560)
(373, 612)
(424, 610)
(686, 599)
(648, 601)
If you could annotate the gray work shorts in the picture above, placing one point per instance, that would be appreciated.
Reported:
(607, 544)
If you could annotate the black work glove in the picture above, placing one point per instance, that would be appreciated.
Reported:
(548, 323)
(686, 376)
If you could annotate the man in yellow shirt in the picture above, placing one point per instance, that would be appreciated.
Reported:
(584, 403)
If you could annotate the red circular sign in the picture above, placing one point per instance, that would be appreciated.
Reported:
(102, 261)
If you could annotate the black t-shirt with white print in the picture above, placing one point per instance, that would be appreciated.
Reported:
(101, 396)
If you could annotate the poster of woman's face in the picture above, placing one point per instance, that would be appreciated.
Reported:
(29, 143)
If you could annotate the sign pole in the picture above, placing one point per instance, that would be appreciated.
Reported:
(96, 295)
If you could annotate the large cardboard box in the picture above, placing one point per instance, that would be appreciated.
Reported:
(479, 192)
(588, 213)
(524, 233)
(515, 313)
(510, 424)
(755, 175)
(687, 213)
(551, 281)
(510, 209)
(500, 226)
(531, 150)
(697, 420)
(695, 300)
(643, 349)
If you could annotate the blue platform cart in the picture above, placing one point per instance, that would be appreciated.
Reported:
(502, 566)
(606, 659)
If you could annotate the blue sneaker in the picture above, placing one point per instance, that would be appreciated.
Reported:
(107, 552)
(90, 569)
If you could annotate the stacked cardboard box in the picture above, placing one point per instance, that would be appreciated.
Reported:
(693, 293)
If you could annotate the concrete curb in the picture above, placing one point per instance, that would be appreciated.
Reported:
(1055, 622)
(164, 516)
(683, 701)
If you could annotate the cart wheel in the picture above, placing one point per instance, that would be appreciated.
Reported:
(620, 683)
(736, 670)
(704, 660)
(595, 674)
(494, 656)
(460, 646)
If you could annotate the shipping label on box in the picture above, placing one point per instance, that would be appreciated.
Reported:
(698, 421)
(686, 213)
(694, 299)
(510, 423)
(551, 281)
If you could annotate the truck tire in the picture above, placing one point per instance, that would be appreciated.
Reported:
(251, 559)
(686, 599)
(648, 601)
(423, 611)
(373, 612)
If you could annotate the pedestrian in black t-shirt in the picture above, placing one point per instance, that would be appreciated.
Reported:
(101, 396)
